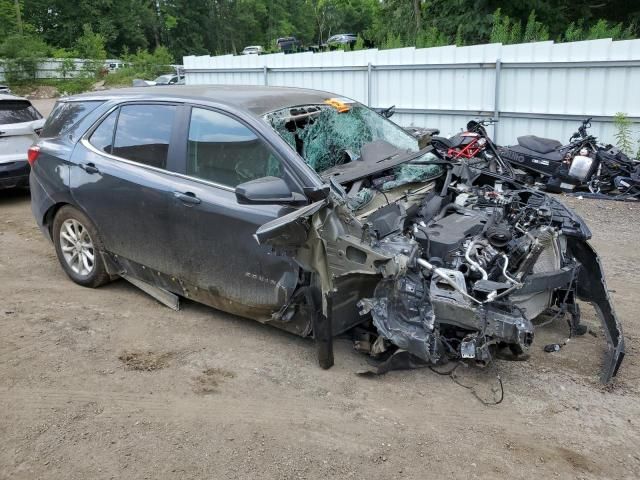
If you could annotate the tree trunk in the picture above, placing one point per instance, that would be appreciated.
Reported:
(417, 14)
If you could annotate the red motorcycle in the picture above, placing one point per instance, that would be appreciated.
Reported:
(473, 147)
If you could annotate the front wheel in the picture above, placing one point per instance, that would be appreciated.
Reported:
(78, 246)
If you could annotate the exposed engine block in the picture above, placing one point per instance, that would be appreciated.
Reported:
(470, 289)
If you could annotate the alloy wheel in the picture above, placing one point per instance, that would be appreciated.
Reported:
(77, 247)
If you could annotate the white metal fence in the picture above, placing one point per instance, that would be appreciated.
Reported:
(541, 88)
(56, 68)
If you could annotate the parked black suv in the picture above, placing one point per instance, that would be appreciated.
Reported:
(288, 44)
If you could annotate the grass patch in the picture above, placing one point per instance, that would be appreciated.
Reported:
(69, 86)
(122, 77)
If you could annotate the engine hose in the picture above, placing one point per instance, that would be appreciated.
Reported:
(493, 296)
(436, 271)
(504, 271)
(475, 266)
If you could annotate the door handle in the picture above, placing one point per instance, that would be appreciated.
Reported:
(187, 197)
(90, 168)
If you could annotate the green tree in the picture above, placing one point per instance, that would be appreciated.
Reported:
(535, 31)
(22, 53)
(392, 41)
(90, 45)
(67, 66)
(431, 37)
(188, 27)
(501, 29)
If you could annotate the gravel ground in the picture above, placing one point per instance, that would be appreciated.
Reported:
(108, 383)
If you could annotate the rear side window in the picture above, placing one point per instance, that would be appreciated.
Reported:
(65, 115)
(17, 111)
(143, 133)
(102, 137)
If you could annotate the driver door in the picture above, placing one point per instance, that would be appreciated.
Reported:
(220, 262)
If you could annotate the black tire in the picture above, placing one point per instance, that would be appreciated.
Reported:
(97, 275)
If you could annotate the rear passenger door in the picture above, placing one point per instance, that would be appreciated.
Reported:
(214, 234)
(121, 177)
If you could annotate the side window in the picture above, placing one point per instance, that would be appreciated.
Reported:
(65, 115)
(143, 133)
(102, 137)
(222, 150)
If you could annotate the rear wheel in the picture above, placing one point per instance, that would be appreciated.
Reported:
(78, 247)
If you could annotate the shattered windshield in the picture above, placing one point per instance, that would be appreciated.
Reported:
(331, 134)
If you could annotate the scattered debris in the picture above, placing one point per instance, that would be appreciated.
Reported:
(44, 91)
(146, 361)
(210, 379)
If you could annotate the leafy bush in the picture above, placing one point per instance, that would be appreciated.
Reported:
(150, 65)
(67, 65)
(622, 124)
(74, 85)
(601, 29)
(508, 31)
(121, 77)
(459, 39)
(431, 37)
(64, 87)
(534, 30)
(392, 41)
(359, 45)
(501, 28)
(22, 54)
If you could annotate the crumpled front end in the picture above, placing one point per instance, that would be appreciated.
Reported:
(459, 270)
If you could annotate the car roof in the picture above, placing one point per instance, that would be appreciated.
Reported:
(9, 96)
(255, 99)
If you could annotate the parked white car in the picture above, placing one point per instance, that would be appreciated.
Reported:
(168, 79)
(20, 125)
(252, 50)
(114, 65)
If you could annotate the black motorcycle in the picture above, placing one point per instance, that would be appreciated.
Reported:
(582, 164)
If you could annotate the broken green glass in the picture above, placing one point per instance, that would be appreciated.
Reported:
(325, 137)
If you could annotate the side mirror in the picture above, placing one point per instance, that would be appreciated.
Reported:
(266, 190)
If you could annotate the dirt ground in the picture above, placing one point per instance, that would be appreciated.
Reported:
(108, 383)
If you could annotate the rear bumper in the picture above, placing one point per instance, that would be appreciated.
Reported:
(14, 174)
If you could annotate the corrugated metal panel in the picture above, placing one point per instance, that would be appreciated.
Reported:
(51, 68)
(544, 88)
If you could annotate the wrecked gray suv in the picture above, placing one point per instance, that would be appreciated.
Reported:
(314, 214)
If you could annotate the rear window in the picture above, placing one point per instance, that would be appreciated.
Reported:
(65, 115)
(17, 111)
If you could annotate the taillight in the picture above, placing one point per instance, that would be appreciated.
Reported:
(32, 154)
